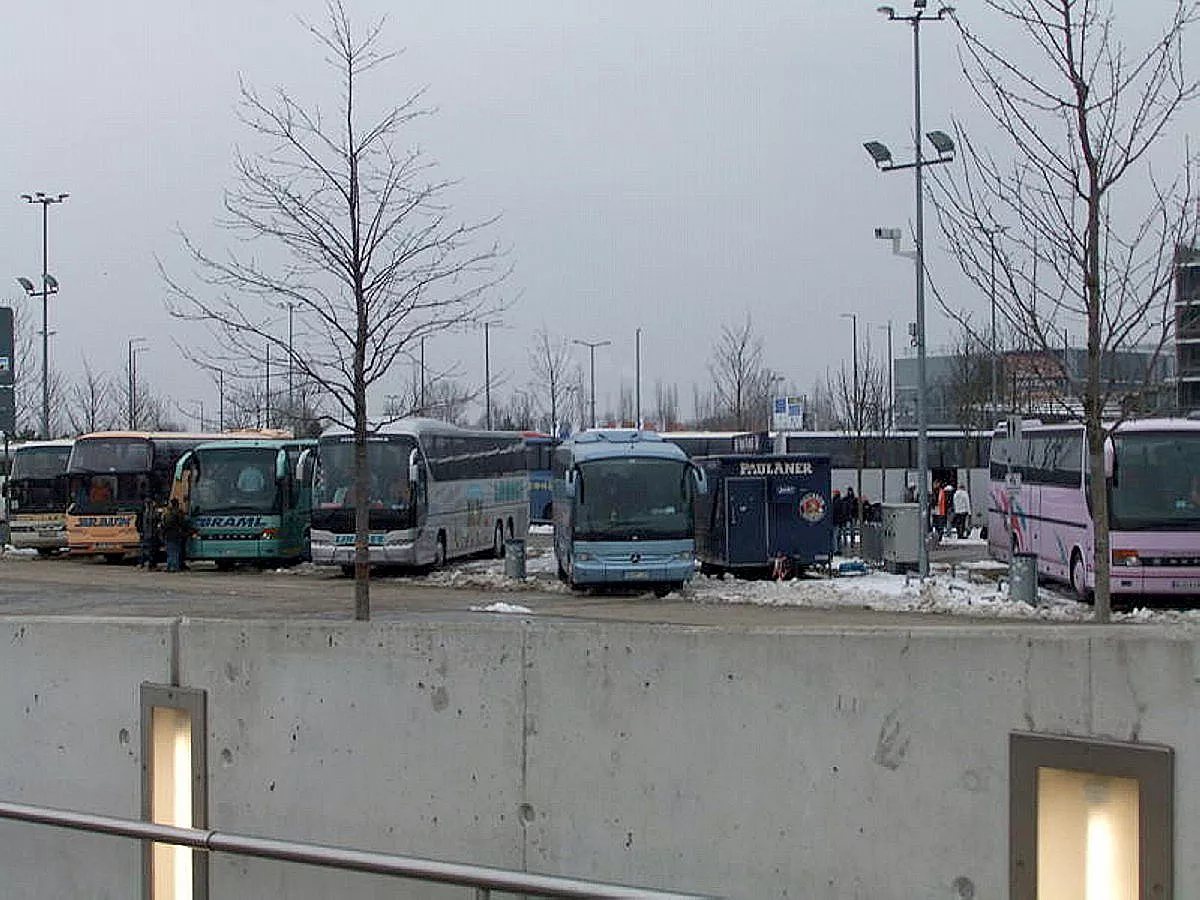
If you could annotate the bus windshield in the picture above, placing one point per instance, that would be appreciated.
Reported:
(1156, 482)
(40, 463)
(387, 459)
(111, 455)
(235, 481)
(633, 497)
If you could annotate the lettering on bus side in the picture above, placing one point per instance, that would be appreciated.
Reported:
(228, 522)
(106, 521)
(777, 467)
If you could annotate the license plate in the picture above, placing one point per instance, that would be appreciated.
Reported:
(633, 576)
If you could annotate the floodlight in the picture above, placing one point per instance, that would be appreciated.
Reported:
(880, 153)
(887, 234)
(51, 282)
(888, 11)
(942, 142)
(945, 11)
(26, 283)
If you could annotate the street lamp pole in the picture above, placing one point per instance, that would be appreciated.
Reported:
(135, 345)
(592, 345)
(637, 378)
(992, 231)
(487, 377)
(49, 286)
(944, 146)
(854, 398)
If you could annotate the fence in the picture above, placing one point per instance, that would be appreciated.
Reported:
(482, 880)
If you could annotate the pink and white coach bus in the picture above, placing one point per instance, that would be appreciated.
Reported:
(1038, 503)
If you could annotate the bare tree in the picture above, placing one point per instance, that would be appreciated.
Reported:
(371, 260)
(666, 406)
(858, 398)
(91, 404)
(1091, 231)
(737, 373)
(550, 364)
(967, 385)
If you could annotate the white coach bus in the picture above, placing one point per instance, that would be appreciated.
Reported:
(436, 492)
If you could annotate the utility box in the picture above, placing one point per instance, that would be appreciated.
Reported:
(900, 533)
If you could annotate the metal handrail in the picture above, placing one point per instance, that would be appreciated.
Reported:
(482, 879)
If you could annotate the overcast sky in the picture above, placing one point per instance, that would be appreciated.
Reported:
(673, 165)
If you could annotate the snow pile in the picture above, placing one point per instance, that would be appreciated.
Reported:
(502, 608)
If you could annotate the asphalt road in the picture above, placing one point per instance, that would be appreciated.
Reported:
(62, 586)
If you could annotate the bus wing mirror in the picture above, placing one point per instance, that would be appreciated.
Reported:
(1110, 462)
(573, 482)
(414, 466)
(281, 465)
(701, 479)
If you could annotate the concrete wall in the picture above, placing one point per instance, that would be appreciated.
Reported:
(809, 763)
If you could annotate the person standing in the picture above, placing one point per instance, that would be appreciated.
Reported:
(150, 524)
(962, 512)
(175, 531)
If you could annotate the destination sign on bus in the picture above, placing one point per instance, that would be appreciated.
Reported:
(776, 467)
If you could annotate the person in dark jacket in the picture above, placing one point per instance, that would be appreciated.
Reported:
(150, 527)
(175, 531)
(838, 510)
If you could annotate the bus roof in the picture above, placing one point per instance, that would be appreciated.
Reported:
(239, 434)
(1129, 426)
(607, 443)
(416, 426)
(37, 445)
(257, 444)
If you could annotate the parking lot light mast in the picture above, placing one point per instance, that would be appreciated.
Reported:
(882, 156)
(49, 286)
(592, 345)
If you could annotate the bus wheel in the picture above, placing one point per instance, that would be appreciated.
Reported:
(348, 570)
(661, 590)
(45, 552)
(498, 541)
(439, 552)
(1078, 579)
(113, 558)
(224, 565)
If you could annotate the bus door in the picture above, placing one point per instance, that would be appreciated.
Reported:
(746, 520)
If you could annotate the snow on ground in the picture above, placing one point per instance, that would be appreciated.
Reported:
(975, 589)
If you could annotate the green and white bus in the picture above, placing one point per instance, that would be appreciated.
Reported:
(437, 492)
(250, 501)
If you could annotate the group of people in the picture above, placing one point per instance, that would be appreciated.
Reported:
(845, 509)
(950, 509)
(168, 528)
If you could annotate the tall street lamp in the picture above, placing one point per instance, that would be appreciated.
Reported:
(487, 373)
(49, 286)
(637, 378)
(592, 345)
(992, 231)
(854, 399)
(882, 156)
(136, 345)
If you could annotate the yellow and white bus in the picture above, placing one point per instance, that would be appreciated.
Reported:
(111, 473)
(38, 496)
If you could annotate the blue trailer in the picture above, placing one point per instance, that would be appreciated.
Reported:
(764, 514)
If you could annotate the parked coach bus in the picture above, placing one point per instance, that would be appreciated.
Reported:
(38, 496)
(623, 510)
(437, 491)
(250, 501)
(1039, 504)
(111, 473)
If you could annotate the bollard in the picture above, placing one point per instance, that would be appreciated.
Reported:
(514, 558)
(1022, 578)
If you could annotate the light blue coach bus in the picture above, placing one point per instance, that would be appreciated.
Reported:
(623, 510)
(436, 492)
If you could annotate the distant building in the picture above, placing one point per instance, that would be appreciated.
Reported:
(1187, 328)
(1031, 382)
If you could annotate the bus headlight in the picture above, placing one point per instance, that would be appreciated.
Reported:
(685, 555)
(584, 556)
(1125, 558)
